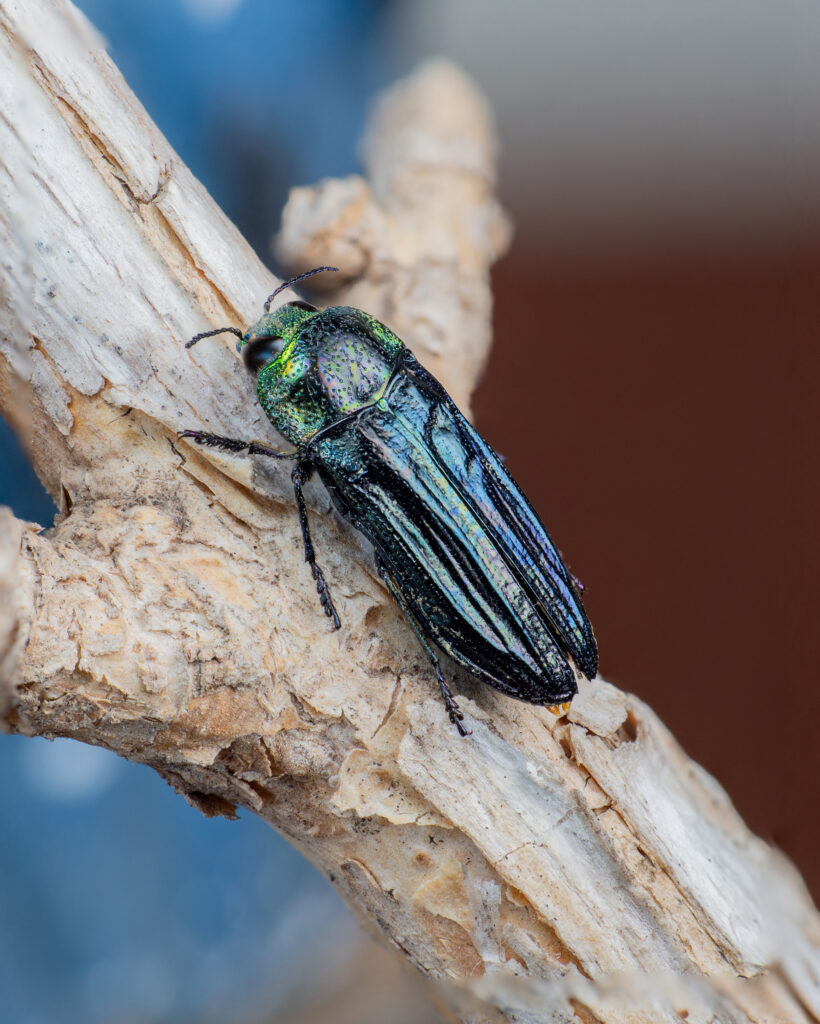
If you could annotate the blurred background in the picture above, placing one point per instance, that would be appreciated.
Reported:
(652, 386)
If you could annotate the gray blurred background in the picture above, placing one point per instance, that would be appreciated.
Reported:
(651, 385)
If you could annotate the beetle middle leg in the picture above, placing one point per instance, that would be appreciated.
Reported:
(301, 473)
(455, 714)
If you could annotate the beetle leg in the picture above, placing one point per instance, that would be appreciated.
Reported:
(310, 557)
(456, 715)
(228, 444)
(454, 712)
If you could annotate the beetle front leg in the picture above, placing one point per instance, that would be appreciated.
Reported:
(229, 444)
(310, 557)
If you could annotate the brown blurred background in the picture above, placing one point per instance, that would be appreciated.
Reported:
(656, 409)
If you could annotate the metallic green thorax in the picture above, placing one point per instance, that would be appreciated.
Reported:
(333, 363)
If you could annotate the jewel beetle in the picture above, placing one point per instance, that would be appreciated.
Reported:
(457, 544)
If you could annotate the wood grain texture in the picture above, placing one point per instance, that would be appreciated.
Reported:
(540, 870)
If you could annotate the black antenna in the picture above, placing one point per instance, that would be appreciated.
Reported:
(210, 334)
(295, 280)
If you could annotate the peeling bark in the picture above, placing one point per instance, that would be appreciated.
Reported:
(541, 870)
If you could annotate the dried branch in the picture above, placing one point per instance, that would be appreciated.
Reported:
(540, 870)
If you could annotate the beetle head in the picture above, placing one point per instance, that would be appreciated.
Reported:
(266, 339)
(271, 333)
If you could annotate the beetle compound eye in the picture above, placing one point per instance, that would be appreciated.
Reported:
(260, 351)
(299, 304)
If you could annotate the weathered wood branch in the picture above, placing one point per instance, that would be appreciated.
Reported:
(540, 870)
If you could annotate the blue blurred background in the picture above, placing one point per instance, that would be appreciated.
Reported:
(661, 164)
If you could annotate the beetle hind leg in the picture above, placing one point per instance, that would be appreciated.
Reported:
(454, 712)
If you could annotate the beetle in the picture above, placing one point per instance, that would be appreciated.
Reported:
(457, 544)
